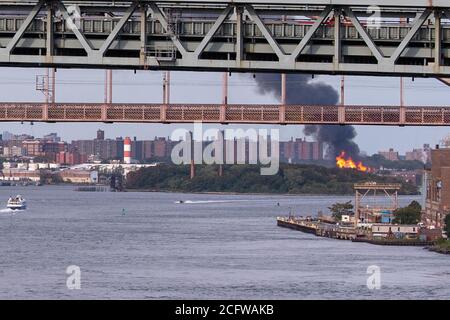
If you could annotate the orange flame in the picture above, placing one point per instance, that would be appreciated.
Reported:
(348, 163)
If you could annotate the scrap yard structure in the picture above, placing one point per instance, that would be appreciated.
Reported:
(372, 221)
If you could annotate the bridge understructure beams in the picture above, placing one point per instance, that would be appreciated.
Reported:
(404, 38)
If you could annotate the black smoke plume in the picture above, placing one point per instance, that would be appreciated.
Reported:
(299, 90)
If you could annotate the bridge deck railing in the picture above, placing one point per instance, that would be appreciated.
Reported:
(216, 113)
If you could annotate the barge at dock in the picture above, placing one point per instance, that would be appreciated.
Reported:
(317, 227)
(326, 229)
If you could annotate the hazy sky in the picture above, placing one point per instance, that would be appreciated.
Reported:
(200, 87)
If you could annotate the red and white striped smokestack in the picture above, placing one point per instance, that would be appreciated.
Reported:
(127, 150)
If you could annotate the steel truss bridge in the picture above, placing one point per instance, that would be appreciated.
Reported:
(397, 37)
(227, 114)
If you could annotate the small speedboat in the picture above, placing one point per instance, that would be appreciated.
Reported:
(17, 203)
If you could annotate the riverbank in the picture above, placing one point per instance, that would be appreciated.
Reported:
(247, 179)
(442, 246)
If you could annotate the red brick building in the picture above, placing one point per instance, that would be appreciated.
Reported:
(437, 181)
(70, 158)
(300, 150)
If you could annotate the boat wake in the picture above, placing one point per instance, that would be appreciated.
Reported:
(206, 201)
(8, 210)
(202, 201)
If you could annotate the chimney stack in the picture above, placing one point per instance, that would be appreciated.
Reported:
(127, 150)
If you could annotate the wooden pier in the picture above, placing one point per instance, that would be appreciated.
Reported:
(318, 228)
(328, 230)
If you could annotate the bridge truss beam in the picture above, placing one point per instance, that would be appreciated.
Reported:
(226, 114)
(314, 36)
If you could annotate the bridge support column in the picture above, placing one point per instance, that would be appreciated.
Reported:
(437, 41)
(107, 94)
(45, 112)
(166, 95)
(49, 41)
(224, 98)
(402, 116)
(104, 112)
(239, 35)
(341, 107)
(341, 114)
(163, 112)
(282, 114)
(222, 115)
(143, 52)
(337, 38)
(282, 109)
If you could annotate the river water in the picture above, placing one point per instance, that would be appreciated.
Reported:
(137, 245)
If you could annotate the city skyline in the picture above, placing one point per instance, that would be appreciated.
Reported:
(291, 149)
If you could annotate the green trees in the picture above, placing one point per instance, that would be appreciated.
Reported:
(408, 215)
(293, 179)
(447, 224)
(339, 209)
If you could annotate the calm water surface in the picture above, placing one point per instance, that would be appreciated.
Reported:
(218, 246)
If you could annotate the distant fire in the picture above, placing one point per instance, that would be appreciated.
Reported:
(348, 163)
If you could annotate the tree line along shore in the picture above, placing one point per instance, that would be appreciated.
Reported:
(290, 179)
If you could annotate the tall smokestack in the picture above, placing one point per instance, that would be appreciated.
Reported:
(300, 90)
(127, 150)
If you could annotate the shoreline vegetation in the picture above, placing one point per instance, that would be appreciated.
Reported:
(442, 246)
(246, 179)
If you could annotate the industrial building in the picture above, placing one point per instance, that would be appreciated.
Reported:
(437, 182)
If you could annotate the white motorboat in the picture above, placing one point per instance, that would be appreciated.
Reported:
(17, 203)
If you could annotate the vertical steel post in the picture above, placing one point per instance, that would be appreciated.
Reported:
(49, 48)
(337, 39)
(357, 205)
(437, 41)
(282, 109)
(224, 97)
(107, 93)
(402, 104)
(49, 41)
(53, 89)
(110, 83)
(143, 51)
(239, 35)
(163, 110)
(167, 91)
(341, 107)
